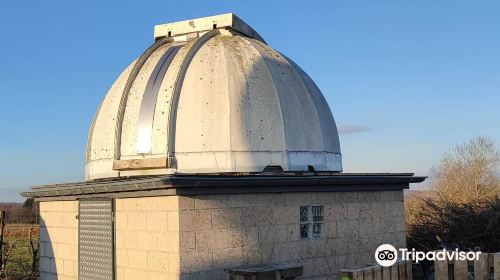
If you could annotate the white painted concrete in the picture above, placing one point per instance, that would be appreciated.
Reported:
(241, 106)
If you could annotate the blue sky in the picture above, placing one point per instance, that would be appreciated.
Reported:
(405, 79)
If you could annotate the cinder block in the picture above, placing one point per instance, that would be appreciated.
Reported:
(146, 203)
(131, 274)
(118, 204)
(67, 251)
(204, 240)
(57, 206)
(157, 220)
(386, 195)
(284, 215)
(45, 264)
(68, 235)
(68, 268)
(71, 206)
(121, 257)
(187, 241)
(321, 266)
(240, 200)
(174, 262)
(250, 237)
(53, 265)
(220, 238)
(167, 203)
(68, 219)
(195, 261)
(121, 220)
(227, 257)
(130, 204)
(157, 261)
(252, 256)
(155, 275)
(323, 198)
(399, 195)
(186, 203)
(263, 216)
(49, 249)
(173, 222)
(130, 240)
(353, 210)
(227, 218)
(336, 211)
(195, 220)
(137, 259)
(270, 199)
(285, 252)
(136, 221)
(146, 240)
(119, 238)
(173, 241)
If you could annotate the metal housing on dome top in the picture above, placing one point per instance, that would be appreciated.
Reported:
(210, 96)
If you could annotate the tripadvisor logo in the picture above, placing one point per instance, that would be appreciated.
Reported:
(387, 255)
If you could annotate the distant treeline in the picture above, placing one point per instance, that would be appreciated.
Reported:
(20, 213)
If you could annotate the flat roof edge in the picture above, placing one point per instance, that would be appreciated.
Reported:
(186, 185)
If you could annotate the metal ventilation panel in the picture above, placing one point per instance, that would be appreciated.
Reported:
(96, 238)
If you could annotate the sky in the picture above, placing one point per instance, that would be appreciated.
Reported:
(405, 80)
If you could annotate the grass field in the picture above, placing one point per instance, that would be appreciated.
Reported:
(20, 257)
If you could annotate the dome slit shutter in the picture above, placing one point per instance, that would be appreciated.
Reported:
(123, 101)
(148, 104)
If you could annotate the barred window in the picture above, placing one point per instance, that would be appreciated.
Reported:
(311, 222)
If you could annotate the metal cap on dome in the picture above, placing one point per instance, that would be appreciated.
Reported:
(200, 25)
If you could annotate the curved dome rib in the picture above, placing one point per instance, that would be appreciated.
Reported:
(177, 89)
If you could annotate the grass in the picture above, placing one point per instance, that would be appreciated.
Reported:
(19, 262)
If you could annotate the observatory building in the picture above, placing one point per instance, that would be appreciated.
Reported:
(212, 151)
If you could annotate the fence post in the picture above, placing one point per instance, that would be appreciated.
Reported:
(2, 228)
(496, 266)
(441, 269)
(460, 270)
(394, 271)
(481, 267)
(368, 273)
(409, 270)
(401, 269)
(386, 273)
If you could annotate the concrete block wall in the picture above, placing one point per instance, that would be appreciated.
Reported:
(220, 231)
(147, 238)
(58, 240)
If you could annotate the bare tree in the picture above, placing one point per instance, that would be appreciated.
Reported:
(468, 173)
(462, 205)
(34, 242)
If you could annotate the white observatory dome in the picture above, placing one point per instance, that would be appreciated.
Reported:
(210, 96)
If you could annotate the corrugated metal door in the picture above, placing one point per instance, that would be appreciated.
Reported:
(96, 239)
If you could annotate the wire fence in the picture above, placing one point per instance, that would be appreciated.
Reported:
(19, 244)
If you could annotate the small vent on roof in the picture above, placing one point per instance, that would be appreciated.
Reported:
(273, 169)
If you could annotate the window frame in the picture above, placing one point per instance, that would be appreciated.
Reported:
(311, 221)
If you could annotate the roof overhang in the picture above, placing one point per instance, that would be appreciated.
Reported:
(226, 184)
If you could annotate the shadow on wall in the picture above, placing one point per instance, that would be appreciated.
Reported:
(58, 239)
(48, 267)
